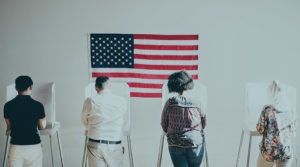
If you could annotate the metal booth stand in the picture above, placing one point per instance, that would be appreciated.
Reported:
(256, 95)
(199, 93)
(120, 89)
(45, 93)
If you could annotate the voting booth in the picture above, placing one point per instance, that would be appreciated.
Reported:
(256, 97)
(120, 89)
(199, 95)
(43, 92)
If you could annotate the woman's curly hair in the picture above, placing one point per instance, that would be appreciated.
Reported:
(179, 82)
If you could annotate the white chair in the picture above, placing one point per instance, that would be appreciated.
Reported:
(256, 99)
(199, 93)
(120, 89)
(45, 93)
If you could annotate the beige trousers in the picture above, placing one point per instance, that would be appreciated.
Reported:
(261, 162)
(31, 155)
(105, 155)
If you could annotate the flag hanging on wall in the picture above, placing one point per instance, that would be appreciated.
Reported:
(144, 61)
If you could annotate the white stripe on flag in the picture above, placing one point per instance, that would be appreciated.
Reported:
(165, 52)
(166, 62)
(165, 42)
(139, 80)
(145, 90)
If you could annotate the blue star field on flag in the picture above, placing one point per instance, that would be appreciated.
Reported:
(112, 50)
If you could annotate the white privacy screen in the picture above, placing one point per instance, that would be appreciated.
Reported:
(120, 89)
(43, 92)
(198, 93)
(257, 98)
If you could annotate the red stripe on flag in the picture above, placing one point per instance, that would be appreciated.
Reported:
(144, 85)
(166, 67)
(195, 77)
(147, 95)
(135, 75)
(166, 57)
(166, 47)
(166, 37)
(131, 75)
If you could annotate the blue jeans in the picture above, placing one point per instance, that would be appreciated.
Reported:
(186, 157)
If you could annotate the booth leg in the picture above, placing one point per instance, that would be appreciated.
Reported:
(161, 146)
(240, 147)
(84, 152)
(60, 149)
(249, 150)
(5, 151)
(51, 148)
(206, 157)
(86, 161)
(130, 151)
(203, 163)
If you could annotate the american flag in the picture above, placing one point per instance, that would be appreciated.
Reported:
(144, 61)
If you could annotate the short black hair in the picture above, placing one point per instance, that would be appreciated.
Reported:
(23, 82)
(179, 82)
(100, 81)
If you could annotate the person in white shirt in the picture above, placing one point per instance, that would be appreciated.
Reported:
(103, 116)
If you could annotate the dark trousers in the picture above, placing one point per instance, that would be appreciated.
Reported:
(186, 157)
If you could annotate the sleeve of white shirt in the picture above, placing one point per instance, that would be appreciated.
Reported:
(86, 110)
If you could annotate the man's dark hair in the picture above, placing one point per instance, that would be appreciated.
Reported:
(100, 81)
(179, 82)
(23, 83)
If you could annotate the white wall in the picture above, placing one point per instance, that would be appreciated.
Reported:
(240, 41)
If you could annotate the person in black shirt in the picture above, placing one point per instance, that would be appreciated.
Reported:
(24, 116)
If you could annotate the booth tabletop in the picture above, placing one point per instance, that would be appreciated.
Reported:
(46, 131)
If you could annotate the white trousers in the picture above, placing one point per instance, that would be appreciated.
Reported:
(31, 155)
(105, 155)
(261, 162)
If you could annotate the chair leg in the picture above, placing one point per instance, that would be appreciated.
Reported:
(130, 151)
(240, 147)
(60, 149)
(51, 148)
(5, 153)
(249, 151)
(161, 147)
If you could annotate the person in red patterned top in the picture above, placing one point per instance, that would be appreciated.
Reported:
(183, 122)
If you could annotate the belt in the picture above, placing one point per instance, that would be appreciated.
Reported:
(105, 141)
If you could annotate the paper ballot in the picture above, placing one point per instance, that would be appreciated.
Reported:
(257, 96)
(120, 89)
(198, 93)
(43, 92)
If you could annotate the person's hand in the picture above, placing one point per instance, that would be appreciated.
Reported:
(8, 131)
